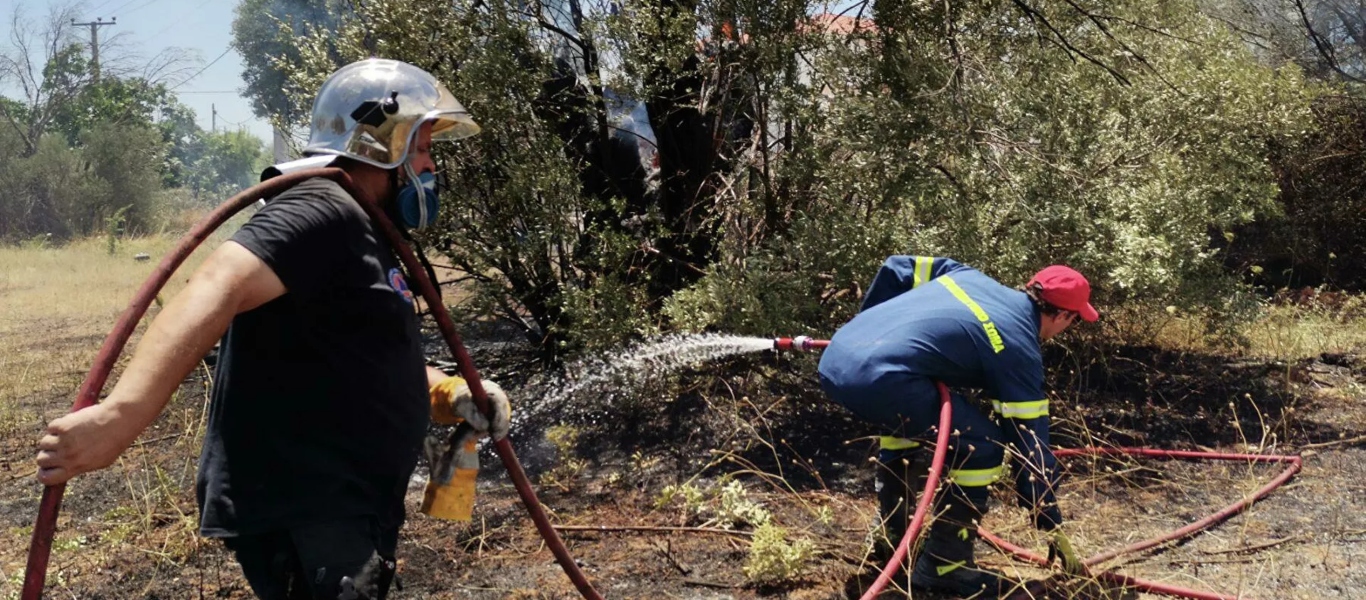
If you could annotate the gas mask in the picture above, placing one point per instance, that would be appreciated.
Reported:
(418, 199)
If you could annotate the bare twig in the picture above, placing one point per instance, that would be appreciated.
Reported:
(652, 528)
(163, 438)
(1061, 39)
(23, 474)
(1225, 561)
(1254, 547)
(699, 582)
(666, 550)
(1321, 43)
(1355, 440)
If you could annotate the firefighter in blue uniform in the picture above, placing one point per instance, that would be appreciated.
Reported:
(931, 319)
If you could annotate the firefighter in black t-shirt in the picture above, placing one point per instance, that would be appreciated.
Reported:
(321, 400)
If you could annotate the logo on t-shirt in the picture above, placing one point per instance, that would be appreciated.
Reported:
(400, 285)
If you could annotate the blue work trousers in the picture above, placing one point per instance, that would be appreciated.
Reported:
(909, 408)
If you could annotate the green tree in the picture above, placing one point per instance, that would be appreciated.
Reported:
(112, 101)
(47, 66)
(264, 33)
(227, 162)
(789, 154)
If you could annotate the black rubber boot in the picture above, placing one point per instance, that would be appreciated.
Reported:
(946, 564)
(900, 476)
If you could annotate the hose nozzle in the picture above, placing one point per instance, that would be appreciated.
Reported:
(801, 342)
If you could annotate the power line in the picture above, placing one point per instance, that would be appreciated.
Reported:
(201, 71)
(175, 22)
(101, 5)
(120, 7)
(135, 8)
(142, 6)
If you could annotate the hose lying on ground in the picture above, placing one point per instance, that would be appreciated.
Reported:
(1293, 462)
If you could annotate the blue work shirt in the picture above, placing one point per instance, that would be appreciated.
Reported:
(936, 318)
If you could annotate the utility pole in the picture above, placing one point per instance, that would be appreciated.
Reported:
(214, 122)
(95, 42)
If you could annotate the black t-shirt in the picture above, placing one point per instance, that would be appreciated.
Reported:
(320, 396)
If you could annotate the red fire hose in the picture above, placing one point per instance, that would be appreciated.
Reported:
(1293, 467)
(44, 529)
(922, 508)
(40, 549)
(913, 529)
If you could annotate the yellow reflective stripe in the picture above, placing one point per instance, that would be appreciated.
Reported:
(890, 442)
(975, 477)
(943, 570)
(923, 266)
(1021, 410)
(993, 336)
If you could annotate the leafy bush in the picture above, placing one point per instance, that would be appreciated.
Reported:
(727, 506)
(733, 507)
(1318, 236)
(70, 192)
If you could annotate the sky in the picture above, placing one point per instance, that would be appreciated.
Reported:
(203, 28)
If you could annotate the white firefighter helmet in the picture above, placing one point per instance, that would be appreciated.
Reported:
(370, 110)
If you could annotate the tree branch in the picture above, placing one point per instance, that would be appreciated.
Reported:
(1324, 47)
(1038, 17)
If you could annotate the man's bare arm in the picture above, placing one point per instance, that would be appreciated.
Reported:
(232, 280)
(434, 376)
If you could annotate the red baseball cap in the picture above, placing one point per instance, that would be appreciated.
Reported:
(1065, 288)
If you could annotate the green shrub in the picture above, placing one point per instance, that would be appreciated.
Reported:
(773, 558)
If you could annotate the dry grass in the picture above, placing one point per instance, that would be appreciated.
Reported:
(1280, 332)
(1291, 333)
(59, 302)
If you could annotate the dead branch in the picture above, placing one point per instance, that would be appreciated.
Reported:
(1321, 44)
(163, 438)
(666, 550)
(653, 528)
(1254, 547)
(23, 474)
(1355, 440)
(699, 582)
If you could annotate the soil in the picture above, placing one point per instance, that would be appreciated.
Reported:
(128, 531)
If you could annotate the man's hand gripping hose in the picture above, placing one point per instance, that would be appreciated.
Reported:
(453, 403)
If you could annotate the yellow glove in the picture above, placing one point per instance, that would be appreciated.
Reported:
(1061, 547)
(453, 403)
(454, 464)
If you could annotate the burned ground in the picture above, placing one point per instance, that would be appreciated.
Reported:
(127, 532)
